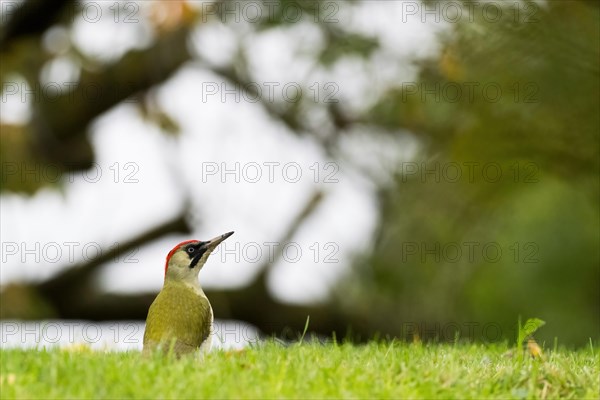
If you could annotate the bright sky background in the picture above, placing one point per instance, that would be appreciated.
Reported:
(216, 133)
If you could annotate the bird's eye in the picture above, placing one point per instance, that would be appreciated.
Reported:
(190, 250)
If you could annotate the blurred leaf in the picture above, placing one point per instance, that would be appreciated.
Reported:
(530, 327)
(341, 44)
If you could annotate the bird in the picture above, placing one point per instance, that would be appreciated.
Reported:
(181, 317)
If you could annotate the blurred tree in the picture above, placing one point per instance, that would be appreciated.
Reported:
(56, 137)
(541, 130)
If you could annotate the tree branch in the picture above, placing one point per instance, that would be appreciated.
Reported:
(72, 290)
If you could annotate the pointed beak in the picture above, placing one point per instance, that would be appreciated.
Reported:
(214, 242)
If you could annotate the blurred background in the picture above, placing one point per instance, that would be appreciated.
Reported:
(420, 170)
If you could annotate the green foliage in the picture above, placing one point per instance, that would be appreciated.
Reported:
(375, 370)
(509, 91)
(542, 212)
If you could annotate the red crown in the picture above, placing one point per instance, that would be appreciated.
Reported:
(174, 249)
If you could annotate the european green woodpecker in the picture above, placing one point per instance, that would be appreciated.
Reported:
(181, 315)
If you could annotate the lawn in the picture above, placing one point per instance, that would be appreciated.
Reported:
(309, 370)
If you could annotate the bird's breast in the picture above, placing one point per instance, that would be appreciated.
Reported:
(181, 314)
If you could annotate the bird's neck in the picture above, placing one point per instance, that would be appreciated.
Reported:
(191, 284)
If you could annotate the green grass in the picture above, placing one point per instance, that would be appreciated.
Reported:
(310, 370)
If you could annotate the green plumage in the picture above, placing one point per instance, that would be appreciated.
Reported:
(179, 314)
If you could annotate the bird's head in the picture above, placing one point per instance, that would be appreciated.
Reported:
(186, 259)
